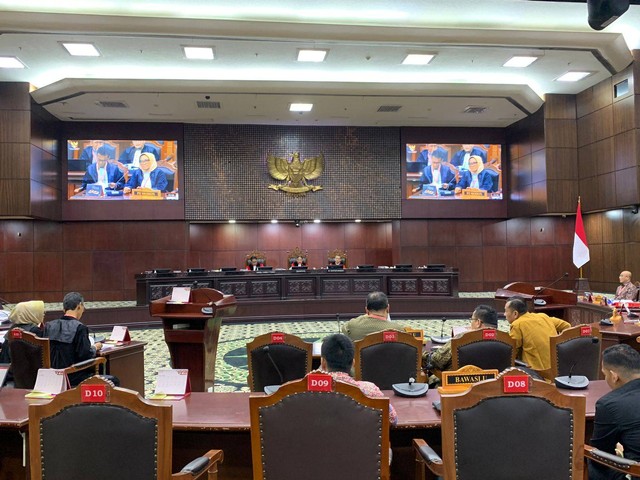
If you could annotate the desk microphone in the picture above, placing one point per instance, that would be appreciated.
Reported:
(630, 314)
(539, 301)
(194, 285)
(442, 338)
(579, 382)
(265, 349)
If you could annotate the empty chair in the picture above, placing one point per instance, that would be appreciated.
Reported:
(490, 434)
(275, 358)
(388, 357)
(116, 436)
(339, 434)
(497, 350)
(576, 351)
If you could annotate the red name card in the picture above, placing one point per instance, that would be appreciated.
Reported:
(93, 393)
(277, 337)
(319, 382)
(488, 334)
(585, 331)
(390, 336)
(516, 384)
(16, 333)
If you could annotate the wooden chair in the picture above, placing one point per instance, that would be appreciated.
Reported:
(487, 433)
(274, 362)
(496, 176)
(385, 362)
(472, 348)
(577, 351)
(339, 434)
(117, 436)
(260, 256)
(619, 464)
(332, 255)
(29, 353)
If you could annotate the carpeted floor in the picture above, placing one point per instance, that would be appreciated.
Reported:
(231, 364)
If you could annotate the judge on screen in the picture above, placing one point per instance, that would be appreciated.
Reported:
(148, 176)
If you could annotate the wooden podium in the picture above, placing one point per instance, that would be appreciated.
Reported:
(556, 300)
(191, 335)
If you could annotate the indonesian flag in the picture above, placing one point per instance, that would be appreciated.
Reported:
(580, 248)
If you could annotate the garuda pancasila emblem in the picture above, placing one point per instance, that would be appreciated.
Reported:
(295, 173)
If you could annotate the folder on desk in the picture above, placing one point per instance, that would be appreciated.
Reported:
(180, 295)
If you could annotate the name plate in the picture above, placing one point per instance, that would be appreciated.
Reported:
(489, 334)
(93, 393)
(390, 336)
(460, 380)
(146, 194)
(319, 382)
(516, 384)
(474, 194)
(585, 331)
(277, 337)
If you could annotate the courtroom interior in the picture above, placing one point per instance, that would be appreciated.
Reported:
(411, 154)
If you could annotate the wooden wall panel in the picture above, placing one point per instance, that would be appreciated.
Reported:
(627, 186)
(47, 272)
(560, 133)
(624, 115)
(625, 146)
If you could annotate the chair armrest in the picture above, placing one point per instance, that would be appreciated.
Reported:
(208, 463)
(425, 454)
(520, 363)
(620, 464)
(86, 364)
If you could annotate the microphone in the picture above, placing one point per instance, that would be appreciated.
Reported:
(442, 338)
(338, 320)
(194, 285)
(539, 301)
(579, 382)
(265, 349)
(630, 314)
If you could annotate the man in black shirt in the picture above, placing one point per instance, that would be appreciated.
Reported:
(617, 417)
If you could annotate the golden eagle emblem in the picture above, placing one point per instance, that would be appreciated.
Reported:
(295, 173)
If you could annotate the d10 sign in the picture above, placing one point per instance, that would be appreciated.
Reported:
(93, 393)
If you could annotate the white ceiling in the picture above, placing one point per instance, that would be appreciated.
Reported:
(255, 75)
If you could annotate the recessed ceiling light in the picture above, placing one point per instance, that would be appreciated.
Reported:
(312, 55)
(358, 220)
(520, 61)
(198, 53)
(418, 58)
(232, 221)
(573, 76)
(274, 221)
(81, 49)
(10, 62)
(317, 220)
(300, 107)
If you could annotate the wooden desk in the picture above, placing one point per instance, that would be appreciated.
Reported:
(127, 363)
(621, 333)
(221, 420)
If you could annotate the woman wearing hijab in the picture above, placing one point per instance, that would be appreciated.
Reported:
(27, 316)
(147, 176)
(475, 177)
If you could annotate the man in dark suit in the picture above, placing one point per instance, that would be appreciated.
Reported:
(102, 172)
(132, 154)
(461, 157)
(90, 153)
(437, 174)
(617, 419)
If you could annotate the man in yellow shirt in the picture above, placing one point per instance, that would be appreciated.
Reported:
(532, 332)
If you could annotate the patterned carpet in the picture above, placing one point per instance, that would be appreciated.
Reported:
(231, 364)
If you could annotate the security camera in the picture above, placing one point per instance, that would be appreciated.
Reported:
(207, 97)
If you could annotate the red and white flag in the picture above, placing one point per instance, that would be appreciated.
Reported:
(580, 248)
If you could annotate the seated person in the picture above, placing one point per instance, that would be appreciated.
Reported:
(338, 358)
(299, 262)
(437, 174)
(475, 177)
(375, 319)
(461, 157)
(627, 290)
(102, 172)
(254, 264)
(147, 176)
(27, 316)
(132, 154)
(90, 153)
(337, 260)
(482, 317)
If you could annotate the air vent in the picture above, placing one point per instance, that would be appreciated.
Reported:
(113, 105)
(389, 108)
(208, 104)
(472, 109)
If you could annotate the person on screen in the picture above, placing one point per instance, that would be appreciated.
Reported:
(103, 173)
(90, 153)
(437, 174)
(147, 176)
(475, 177)
(461, 157)
(132, 154)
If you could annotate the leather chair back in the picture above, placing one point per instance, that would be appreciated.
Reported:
(472, 349)
(577, 354)
(28, 354)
